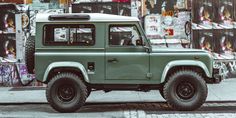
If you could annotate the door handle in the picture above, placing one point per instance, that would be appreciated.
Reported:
(114, 60)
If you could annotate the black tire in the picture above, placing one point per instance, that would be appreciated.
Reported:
(29, 54)
(89, 90)
(162, 93)
(185, 90)
(66, 92)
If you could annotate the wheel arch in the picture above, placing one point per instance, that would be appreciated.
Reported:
(73, 67)
(185, 64)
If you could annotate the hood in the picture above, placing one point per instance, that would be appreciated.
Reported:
(172, 50)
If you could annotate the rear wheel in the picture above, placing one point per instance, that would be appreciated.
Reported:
(66, 92)
(89, 90)
(185, 90)
(162, 93)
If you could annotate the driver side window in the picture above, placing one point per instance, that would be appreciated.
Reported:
(124, 35)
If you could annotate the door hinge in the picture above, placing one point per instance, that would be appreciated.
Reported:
(149, 75)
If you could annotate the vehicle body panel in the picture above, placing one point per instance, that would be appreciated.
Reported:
(133, 65)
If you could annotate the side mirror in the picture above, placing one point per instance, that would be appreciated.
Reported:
(147, 48)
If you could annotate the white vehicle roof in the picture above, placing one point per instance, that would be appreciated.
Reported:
(93, 17)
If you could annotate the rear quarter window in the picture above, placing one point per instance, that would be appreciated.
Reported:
(69, 34)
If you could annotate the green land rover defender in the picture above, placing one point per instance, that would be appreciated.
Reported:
(77, 53)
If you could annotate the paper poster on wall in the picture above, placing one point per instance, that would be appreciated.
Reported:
(169, 20)
(203, 39)
(224, 14)
(225, 43)
(153, 26)
(136, 8)
(163, 7)
(107, 7)
(203, 14)
(158, 26)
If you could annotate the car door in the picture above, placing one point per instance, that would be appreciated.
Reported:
(126, 57)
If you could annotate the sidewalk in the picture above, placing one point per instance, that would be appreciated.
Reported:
(225, 91)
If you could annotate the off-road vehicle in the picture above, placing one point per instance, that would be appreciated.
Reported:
(76, 53)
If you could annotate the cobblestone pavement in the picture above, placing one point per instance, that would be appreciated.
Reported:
(122, 110)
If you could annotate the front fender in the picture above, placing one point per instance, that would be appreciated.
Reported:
(184, 63)
(67, 65)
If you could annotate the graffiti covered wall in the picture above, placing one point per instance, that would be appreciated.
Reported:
(20, 17)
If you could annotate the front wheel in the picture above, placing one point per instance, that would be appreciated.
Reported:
(66, 92)
(185, 90)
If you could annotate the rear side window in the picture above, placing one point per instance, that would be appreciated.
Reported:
(69, 34)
